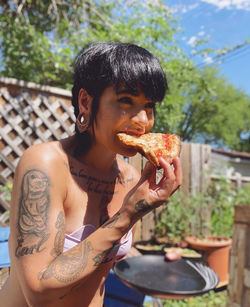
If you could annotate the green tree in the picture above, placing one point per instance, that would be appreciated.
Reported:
(40, 38)
(210, 110)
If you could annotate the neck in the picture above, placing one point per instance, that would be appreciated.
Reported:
(100, 159)
(96, 157)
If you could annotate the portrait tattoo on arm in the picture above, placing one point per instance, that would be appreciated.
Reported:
(33, 213)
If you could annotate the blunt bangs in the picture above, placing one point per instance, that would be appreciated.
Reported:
(137, 70)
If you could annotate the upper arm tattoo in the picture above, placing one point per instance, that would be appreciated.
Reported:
(33, 213)
(60, 235)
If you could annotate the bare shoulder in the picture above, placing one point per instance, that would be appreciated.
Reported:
(128, 171)
(47, 155)
(44, 161)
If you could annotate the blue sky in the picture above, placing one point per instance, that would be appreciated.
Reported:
(224, 23)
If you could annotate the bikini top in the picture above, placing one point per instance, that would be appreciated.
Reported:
(117, 253)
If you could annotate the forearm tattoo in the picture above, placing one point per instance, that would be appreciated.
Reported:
(68, 266)
(111, 222)
(33, 213)
(60, 235)
(103, 257)
(142, 206)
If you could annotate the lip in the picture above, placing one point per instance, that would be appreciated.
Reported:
(133, 132)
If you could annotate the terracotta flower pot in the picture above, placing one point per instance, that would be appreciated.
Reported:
(217, 252)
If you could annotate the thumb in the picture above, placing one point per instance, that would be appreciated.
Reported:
(148, 172)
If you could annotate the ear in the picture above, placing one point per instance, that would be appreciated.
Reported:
(84, 102)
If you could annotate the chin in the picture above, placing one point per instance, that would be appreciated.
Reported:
(128, 152)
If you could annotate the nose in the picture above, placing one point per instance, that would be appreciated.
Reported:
(141, 119)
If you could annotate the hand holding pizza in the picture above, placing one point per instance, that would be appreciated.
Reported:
(147, 194)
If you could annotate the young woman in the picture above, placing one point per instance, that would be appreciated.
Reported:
(74, 202)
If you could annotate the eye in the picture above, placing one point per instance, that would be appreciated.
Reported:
(125, 100)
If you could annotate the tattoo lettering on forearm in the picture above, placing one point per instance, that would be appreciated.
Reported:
(60, 235)
(111, 222)
(33, 213)
(68, 266)
(142, 206)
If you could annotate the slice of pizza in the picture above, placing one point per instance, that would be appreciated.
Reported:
(154, 145)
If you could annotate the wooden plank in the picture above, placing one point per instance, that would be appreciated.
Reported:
(248, 248)
(205, 159)
(246, 298)
(237, 262)
(147, 227)
(195, 162)
(136, 162)
(242, 214)
(185, 162)
(138, 232)
(247, 278)
(205, 167)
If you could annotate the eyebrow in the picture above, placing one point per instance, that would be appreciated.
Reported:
(127, 91)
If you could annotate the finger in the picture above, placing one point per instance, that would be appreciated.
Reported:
(177, 171)
(167, 169)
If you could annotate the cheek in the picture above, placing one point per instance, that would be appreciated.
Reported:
(151, 123)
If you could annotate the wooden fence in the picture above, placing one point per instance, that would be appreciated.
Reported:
(239, 271)
(30, 114)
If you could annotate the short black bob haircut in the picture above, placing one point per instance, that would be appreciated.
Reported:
(104, 64)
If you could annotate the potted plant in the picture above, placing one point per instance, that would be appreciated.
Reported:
(221, 198)
(171, 226)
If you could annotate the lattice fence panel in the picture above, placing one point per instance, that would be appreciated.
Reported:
(28, 119)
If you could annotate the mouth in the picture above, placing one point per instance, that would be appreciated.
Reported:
(135, 133)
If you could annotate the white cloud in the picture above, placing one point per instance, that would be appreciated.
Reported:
(208, 60)
(183, 9)
(192, 40)
(201, 33)
(230, 4)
